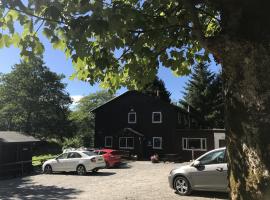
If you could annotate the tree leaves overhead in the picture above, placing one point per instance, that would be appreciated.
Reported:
(116, 43)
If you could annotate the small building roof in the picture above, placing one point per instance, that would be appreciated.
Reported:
(134, 92)
(12, 137)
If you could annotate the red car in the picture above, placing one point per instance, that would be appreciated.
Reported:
(111, 157)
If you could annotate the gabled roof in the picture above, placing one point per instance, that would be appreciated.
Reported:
(132, 92)
(12, 137)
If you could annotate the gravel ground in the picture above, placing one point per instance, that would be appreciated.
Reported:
(139, 180)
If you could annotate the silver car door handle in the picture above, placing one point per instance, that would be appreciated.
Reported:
(219, 169)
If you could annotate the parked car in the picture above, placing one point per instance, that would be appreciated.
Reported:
(207, 173)
(111, 157)
(79, 161)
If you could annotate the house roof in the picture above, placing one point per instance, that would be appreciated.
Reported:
(132, 92)
(12, 137)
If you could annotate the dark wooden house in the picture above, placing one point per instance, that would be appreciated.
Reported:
(15, 153)
(144, 125)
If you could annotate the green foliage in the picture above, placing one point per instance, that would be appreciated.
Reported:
(115, 43)
(83, 119)
(39, 160)
(33, 99)
(73, 142)
(157, 87)
(204, 96)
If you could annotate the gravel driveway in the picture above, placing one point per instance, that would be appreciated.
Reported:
(139, 180)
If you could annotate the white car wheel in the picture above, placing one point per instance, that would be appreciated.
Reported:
(48, 169)
(81, 170)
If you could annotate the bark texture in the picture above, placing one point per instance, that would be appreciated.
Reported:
(246, 70)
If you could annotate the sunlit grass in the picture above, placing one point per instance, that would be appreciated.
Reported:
(38, 160)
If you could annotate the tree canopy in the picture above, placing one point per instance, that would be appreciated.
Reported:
(122, 42)
(33, 100)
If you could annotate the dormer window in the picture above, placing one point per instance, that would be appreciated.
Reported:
(132, 118)
(156, 117)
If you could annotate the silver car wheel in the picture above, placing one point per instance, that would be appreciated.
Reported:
(181, 185)
(81, 170)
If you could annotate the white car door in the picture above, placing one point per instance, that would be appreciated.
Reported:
(59, 164)
(73, 161)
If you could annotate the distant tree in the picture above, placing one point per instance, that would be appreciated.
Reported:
(83, 119)
(33, 100)
(199, 94)
(217, 114)
(157, 88)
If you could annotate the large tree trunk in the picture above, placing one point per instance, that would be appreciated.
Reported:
(246, 70)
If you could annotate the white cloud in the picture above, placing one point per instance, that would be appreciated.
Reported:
(75, 99)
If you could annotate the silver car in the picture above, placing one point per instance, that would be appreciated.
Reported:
(207, 173)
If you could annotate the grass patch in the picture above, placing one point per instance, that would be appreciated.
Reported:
(38, 160)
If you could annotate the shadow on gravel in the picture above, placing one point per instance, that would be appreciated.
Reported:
(25, 189)
(124, 166)
(102, 174)
(99, 173)
(214, 195)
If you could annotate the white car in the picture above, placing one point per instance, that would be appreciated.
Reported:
(79, 161)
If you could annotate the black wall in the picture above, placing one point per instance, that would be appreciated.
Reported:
(112, 118)
(15, 158)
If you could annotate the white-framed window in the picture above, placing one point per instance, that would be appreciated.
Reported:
(132, 117)
(157, 142)
(156, 117)
(108, 141)
(126, 142)
(198, 144)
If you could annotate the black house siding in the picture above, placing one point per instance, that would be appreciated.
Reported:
(112, 120)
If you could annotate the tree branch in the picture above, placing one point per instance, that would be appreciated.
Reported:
(128, 49)
(39, 27)
(207, 13)
(211, 44)
(26, 12)
(154, 29)
(197, 28)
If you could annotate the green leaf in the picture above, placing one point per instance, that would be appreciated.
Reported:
(2, 43)
(16, 39)
(7, 40)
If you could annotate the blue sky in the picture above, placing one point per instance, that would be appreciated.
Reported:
(57, 62)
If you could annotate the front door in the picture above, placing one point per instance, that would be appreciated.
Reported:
(212, 172)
